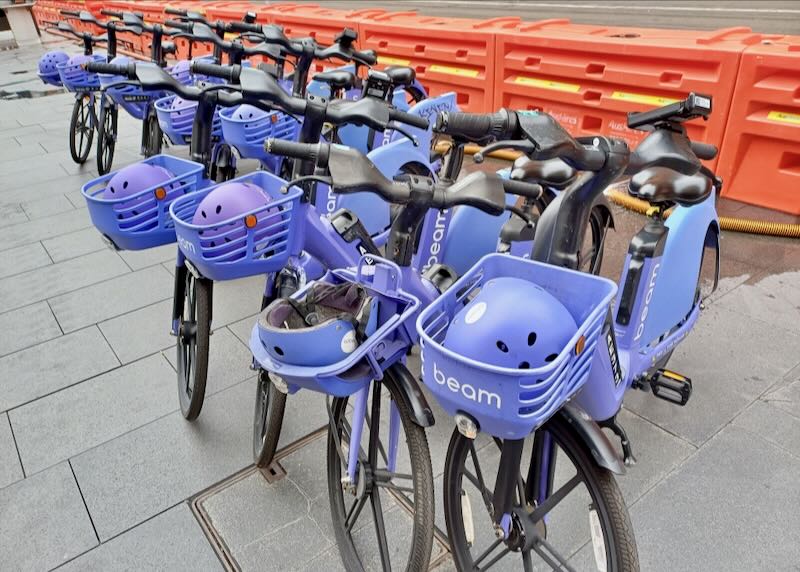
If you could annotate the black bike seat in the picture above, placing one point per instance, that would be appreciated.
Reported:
(664, 148)
(401, 76)
(552, 172)
(337, 79)
(168, 47)
(660, 185)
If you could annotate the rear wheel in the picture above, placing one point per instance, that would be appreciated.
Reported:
(591, 256)
(106, 136)
(81, 129)
(194, 330)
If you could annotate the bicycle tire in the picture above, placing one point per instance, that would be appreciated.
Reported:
(106, 136)
(81, 118)
(152, 136)
(193, 343)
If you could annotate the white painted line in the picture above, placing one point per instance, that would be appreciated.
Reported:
(606, 7)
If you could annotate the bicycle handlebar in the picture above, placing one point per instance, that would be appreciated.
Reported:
(229, 73)
(477, 127)
(704, 151)
(127, 70)
(75, 13)
(187, 27)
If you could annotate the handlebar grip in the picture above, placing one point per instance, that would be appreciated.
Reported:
(175, 11)
(302, 151)
(228, 73)
(474, 126)
(74, 13)
(369, 57)
(408, 119)
(522, 189)
(243, 27)
(127, 70)
(185, 26)
(704, 151)
(112, 13)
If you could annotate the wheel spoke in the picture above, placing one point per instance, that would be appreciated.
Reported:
(496, 559)
(552, 557)
(479, 482)
(555, 498)
(526, 561)
(354, 512)
(380, 528)
(488, 551)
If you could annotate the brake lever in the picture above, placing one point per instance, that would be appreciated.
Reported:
(305, 178)
(396, 127)
(524, 145)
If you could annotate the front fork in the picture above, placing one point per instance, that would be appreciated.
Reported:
(359, 417)
(179, 292)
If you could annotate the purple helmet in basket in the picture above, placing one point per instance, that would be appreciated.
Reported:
(182, 72)
(248, 113)
(132, 180)
(49, 61)
(80, 59)
(511, 323)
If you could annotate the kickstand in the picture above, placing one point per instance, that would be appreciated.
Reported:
(627, 451)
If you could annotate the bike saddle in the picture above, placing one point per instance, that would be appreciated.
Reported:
(337, 79)
(552, 172)
(665, 148)
(661, 185)
(168, 47)
(401, 76)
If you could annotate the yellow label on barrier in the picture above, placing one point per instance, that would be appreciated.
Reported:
(386, 60)
(641, 98)
(454, 71)
(783, 117)
(547, 84)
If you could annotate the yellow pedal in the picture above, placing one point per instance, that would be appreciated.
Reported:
(673, 375)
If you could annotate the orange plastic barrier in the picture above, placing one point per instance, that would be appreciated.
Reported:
(760, 158)
(230, 11)
(589, 77)
(448, 54)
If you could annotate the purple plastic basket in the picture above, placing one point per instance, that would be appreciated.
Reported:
(75, 78)
(176, 123)
(142, 220)
(376, 354)
(510, 403)
(231, 249)
(248, 135)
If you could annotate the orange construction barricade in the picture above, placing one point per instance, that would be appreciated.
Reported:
(589, 77)
(760, 158)
(448, 54)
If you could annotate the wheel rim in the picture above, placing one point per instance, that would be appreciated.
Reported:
(107, 139)
(562, 517)
(83, 132)
(187, 343)
(262, 412)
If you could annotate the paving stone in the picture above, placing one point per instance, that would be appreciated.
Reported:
(773, 425)
(13, 151)
(772, 300)
(60, 185)
(288, 548)
(74, 244)
(170, 541)
(237, 299)
(141, 332)
(728, 372)
(146, 471)
(22, 259)
(726, 508)
(44, 521)
(80, 417)
(137, 259)
(47, 207)
(21, 179)
(10, 468)
(27, 326)
(66, 276)
(228, 361)
(11, 214)
(50, 366)
(43, 228)
(111, 298)
(243, 328)
(19, 131)
(786, 396)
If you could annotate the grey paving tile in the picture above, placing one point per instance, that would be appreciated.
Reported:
(786, 396)
(62, 184)
(771, 300)
(111, 298)
(42, 283)
(24, 327)
(11, 214)
(727, 508)
(43, 228)
(69, 422)
(20, 131)
(47, 207)
(288, 548)
(23, 258)
(14, 151)
(773, 425)
(228, 361)
(727, 376)
(141, 332)
(10, 468)
(44, 522)
(137, 259)
(237, 299)
(170, 541)
(243, 328)
(22, 179)
(146, 471)
(42, 369)
(74, 244)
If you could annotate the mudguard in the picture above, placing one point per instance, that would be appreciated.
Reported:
(399, 380)
(592, 435)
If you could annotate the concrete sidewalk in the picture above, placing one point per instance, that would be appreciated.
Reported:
(98, 469)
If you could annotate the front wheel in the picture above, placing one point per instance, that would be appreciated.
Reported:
(152, 137)
(106, 136)
(383, 516)
(568, 513)
(81, 128)
(194, 330)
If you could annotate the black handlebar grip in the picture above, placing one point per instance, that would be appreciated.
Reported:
(474, 126)
(522, 189)
(112, 13)
(302, 151)
(243, 27)
(369, 57)
(185, 26)
(228, 73)
(175, 11)
(75, 13)
(127, 70)
(704, 151)
(408, 119)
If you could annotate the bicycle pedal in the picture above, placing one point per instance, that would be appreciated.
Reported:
(671, 386)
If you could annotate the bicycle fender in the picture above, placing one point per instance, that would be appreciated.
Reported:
(399, 380)
(592, 435)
